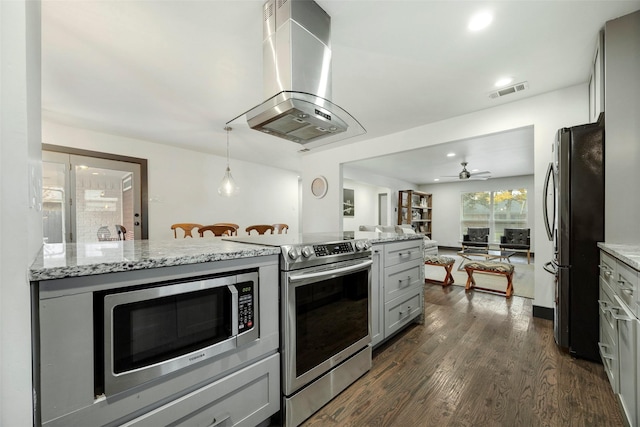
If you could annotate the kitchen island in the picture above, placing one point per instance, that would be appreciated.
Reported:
(180, 332)
(73, 321)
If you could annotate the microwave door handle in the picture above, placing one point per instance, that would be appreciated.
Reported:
(234, 310)
(358, 266)
(547, 225)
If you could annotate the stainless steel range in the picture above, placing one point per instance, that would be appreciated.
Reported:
(325, 299)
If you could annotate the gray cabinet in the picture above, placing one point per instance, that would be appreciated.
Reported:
(622, 109)
(398, 295)
(244, 398)
(619, 330)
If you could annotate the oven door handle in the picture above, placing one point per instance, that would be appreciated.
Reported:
(359, 266)
(234, 310)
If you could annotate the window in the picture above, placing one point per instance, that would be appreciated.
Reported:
(494, 209)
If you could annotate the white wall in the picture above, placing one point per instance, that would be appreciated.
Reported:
(20, 195)
(183, 184)
(547, 113)
(366, 204)
(386, 184)
(446, 204)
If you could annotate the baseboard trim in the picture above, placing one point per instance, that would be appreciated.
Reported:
(543, 312)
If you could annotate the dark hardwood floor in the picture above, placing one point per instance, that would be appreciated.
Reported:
(479, 360)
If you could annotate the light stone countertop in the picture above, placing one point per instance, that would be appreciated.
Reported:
(629, 254)
(57, 261)
(61, 260)
(375, 237)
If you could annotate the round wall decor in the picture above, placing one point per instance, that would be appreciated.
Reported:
(319, 186)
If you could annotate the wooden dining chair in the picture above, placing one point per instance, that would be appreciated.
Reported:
(122, 232)
(217, 230)
(260, 228)
(230, 224)
(186, 227)
(280, 228)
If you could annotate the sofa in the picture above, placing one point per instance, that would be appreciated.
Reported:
(430, 246)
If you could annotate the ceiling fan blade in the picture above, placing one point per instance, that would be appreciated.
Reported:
(480, 173)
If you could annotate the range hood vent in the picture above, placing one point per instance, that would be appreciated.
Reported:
(297, 77)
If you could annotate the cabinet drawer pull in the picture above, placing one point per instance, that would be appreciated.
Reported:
(408, 280)
(604, 353)
(401, 254)
(408, 312)
(605, 306)
(218, 421)
(624, 285)
(623, 317)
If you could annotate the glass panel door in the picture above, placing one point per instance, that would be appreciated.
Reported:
(88, 199)
(106, 195)
(55, 198)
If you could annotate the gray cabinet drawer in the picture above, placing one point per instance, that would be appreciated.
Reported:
(607, 268)
(401, 311)
(626, 285)
(244, 398)
(607, 307)
(400, 252)
(608, 342)
(401, 278)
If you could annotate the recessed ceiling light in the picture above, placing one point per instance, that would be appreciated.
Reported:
(437, 179)
(480, 21)
(503, 81)
(451, 154)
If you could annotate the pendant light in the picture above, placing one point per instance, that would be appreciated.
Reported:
(228, 186)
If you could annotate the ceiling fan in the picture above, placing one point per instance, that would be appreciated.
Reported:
(465, 174)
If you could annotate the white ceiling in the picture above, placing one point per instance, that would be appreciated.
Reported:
(504, 154)
(174, 72)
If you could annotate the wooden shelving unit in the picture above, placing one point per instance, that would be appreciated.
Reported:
(414, 207)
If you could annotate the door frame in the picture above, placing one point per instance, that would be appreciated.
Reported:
(144, 193)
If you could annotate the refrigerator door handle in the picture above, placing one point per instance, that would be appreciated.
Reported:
(549, 227)
(548, 267)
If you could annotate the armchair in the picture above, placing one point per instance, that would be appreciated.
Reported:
(476, 238)
(517, 239)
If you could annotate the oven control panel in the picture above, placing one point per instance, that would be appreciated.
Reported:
(332, 249)
(245, 306)
(313, 254)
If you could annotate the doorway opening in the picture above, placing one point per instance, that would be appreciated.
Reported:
(91, 196)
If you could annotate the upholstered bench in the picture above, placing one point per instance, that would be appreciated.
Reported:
(441, 261)
(499, 268)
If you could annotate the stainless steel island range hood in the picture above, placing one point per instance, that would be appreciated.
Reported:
(297, 77)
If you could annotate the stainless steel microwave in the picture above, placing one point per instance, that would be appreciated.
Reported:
(155, 330)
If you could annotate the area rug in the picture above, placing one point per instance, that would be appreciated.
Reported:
(523, 277)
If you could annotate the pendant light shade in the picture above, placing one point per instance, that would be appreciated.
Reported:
(228, 186)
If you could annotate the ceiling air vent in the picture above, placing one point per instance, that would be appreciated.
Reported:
(518, 87)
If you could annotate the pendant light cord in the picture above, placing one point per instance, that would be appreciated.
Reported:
(227, 128)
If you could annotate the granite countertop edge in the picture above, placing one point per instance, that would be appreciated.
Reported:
(627, 253)
(59, 261)
(114, 261)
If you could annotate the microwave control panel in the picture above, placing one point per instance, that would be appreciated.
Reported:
(245, 306)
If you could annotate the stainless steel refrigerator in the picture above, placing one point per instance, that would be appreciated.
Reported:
(575, 223)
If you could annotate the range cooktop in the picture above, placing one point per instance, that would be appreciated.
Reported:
(311, 249)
